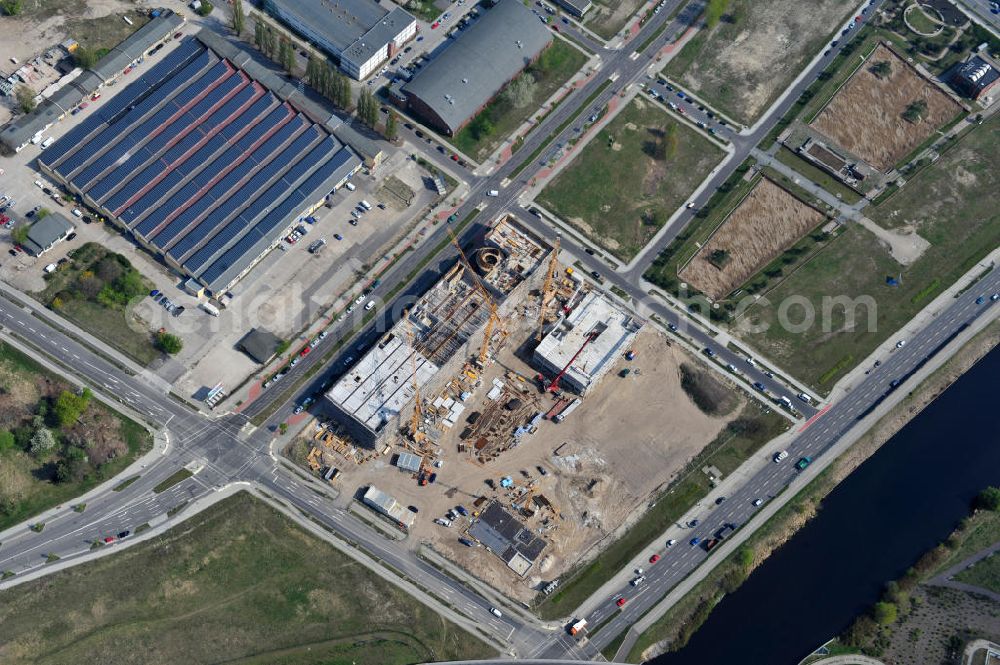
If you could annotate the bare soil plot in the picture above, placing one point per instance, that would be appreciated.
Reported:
(608, 17)
(766, 223)
(756, 50)
(866, 117)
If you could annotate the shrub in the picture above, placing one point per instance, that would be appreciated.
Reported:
(884, 613)
(988, 499)
(168, 343)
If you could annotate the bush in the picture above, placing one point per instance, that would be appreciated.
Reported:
(84, 57)
(988, 499)
(168, 343)
(710, 396)
(12, 7)
(7, 440)
(884, 613)
(42, 442)
(25, 98)
(69, 407)
(205, 8)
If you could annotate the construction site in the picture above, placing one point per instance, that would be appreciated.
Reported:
(509, 410)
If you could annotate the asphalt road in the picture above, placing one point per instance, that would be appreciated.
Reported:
(227, 451)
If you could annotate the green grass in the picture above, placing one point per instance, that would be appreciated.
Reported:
(176, 477)
(949, 203)
(29, 486)
(919, 20)
(238, 582)
(616, 192)
(726, 452)
(978, 532)
(111, 327)
(500, 118)
(985, 573)
(125, 483)
(743, 64)
(818, 176)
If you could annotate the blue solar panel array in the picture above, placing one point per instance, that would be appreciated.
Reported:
(163, 135)
(271, 169)
(107, 111)
(201, 162)
(138, 111)
(259, 237)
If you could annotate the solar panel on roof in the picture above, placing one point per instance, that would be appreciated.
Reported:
(107, 111)
(147, 200)
(200, 83)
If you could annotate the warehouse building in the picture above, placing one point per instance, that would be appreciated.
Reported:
(360, 34)
(475, 66)
(16, 135)
(577, 8)
(207, 159)
(588, 340)
(976, 78)
(46, 232)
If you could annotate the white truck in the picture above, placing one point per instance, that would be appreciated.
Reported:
(47, 142)
(210, 308)
(350, 186)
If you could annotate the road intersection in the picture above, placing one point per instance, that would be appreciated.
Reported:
(229, 451)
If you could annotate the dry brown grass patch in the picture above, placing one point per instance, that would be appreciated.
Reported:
(766, 223)
(865, 117)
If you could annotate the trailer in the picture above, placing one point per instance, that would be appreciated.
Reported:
(568, 410)
(557, 408)
(577, 626)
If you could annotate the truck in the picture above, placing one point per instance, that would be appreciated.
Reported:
(568, 410)
(210, 308)
(350, 186)
(47, 142)
(577, 626)
(366, 205)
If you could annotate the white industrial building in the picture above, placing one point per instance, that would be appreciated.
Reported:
(610, 330)
(361, 34)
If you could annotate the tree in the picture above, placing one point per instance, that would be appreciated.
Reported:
(19, 233)
(42, 441)
(25, 98)
(84, 57)
(714, 11)
(69, 406)
(168, 343)
(882, 69)
(391, 128)
(367, 108)
(288, 62)
(205, 8)
(884, 613)
(258, 35)
(12, 7)
(521, 91)
(73, 466)
(239, 19)
(989, 499)
(914, 113)
(744, 557)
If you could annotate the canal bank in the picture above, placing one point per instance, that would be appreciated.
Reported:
(895, 506)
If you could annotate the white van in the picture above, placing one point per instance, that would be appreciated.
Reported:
(366, 205)
(805, 398)
(493, 192)
(350, 186)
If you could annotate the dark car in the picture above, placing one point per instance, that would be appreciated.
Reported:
(71, 236)
(720, 500)
(87, 219)
(46, 191)
(123, 534)
(413, 509)
(758, 386)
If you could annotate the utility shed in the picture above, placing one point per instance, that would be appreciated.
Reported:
(595, 315)
(476, 66)
(408, 462)
(46, 232)
(259, 344)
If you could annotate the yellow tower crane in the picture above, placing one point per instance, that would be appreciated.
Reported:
(494, 319)
(418, 436)
(547, 289)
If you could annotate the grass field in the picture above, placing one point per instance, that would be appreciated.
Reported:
(985, 573)
(744, 435)
(94, 290)
(621, 188)
(522, 97)
(237, 583)
(949, 204)
(608, 17)
(31, 483)
(745, 62)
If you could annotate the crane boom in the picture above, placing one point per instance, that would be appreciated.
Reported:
(550, 275)
(554, 386)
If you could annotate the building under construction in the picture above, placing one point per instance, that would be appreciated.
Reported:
(581, 347)
(459, 320)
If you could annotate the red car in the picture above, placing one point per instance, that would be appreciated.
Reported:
(454, 158)
(305, 352)
(857, 19)
(621, 601)
(654, 558)
(109, 539)
(435, 24)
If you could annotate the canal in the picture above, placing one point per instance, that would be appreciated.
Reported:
(897, 505)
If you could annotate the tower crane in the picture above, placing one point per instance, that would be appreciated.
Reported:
(494, 319)
(547, 290)
(418, 436)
